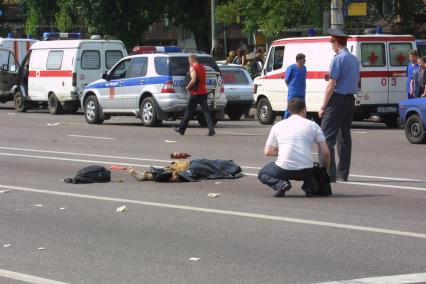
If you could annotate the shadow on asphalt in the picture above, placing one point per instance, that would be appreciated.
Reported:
(335, 196)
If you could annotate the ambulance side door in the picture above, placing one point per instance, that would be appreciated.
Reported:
(398, 61)
(111, 97)
(8, 71)
(273, 82)
(374, 74)
(37, 65)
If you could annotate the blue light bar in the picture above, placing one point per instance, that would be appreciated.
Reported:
(169, 48)
(55, 35)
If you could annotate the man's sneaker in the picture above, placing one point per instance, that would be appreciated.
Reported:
(281, 192)
(341, 179)
(211, 133)
(178, 131)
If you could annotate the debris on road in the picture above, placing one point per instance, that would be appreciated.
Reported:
(122, 209)
(53, 124)
(6, 245)
(218, 182)
(38, 205)
(41, 248)
(118, 168)
(91, 174)
(5, 191)
(179, 155)
(194, 258)
(169, 141)
(62, 208)
(213, 195)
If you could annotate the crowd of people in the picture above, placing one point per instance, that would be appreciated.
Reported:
(252, 61)
(416, 76)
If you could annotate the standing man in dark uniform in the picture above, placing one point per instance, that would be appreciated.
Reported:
(339, 104)
(197, 96)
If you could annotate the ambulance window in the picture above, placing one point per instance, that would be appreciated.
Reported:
(275, 59)
(54, 60)
(398, 53)
(139, 66)
(120, 71)
(373, 54)
(112, 57)
(90, 59)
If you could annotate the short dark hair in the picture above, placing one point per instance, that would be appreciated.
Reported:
(300, 56)
(414, 52)
(296, 105)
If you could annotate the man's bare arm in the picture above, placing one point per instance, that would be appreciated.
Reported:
(328, 93)
(325, 154)
(271, 151)
(193, 79)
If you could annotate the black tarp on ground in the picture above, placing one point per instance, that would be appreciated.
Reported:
(210, 169)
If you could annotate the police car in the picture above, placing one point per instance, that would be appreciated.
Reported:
(150, 84)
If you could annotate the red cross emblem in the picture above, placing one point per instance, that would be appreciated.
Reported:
(373, 58)
(400, 58)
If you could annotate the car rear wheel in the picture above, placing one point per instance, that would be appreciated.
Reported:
(414, 130)
(265, 114)
(92, 110)
(148, 113)
(19, 102)
(55, 106)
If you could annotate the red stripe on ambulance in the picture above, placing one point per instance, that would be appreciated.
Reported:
(50, 73)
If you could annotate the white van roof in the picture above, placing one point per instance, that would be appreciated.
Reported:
(374, 37)
(61, 44)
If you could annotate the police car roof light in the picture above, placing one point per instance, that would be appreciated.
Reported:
(9, 35)
(55, 35)
(153, 49)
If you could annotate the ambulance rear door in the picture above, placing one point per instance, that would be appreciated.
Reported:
(374, 74)
(273, 80)
(398, 61)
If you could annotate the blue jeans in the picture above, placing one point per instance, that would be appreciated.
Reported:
(286, 113)
(274, 177)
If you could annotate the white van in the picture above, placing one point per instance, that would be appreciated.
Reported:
(56, 72)
(383, 61)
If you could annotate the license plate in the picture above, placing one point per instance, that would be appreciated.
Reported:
(386, 109)
(234, 97)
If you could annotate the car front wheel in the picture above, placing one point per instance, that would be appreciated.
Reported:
(19, 102)
(148, 113)
(414, 130)
(265, 114)
(54, 106)
(92, 110)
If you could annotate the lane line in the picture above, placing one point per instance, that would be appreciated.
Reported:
(223, 212)
(27, 278)
(168, 161)
(239, 133)
(147, 166)
(91, 137)
(395, 279)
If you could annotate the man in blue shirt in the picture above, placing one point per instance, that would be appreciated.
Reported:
(412, 66)
(295, 78)
(338, 106)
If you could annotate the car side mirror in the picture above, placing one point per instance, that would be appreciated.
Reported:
(105, 76)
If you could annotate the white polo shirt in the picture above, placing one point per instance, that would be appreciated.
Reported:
(294, 138)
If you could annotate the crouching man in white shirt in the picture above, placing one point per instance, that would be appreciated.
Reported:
(292, 140)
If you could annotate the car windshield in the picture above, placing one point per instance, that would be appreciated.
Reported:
(234, 77)
(179, 66)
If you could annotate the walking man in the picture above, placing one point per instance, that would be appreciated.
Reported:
(411, 68)
(295, 78)
(291, 140)
(339, 104)
(197, 96)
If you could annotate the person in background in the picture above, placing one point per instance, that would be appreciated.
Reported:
(295, 78)
(412, 66)
(240, 59)
(417, 84)
(231, 57)
(251, 66)
(292, 140)
(260, 58)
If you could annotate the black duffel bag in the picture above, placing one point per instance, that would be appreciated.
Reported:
(91, 174)
(320, 181)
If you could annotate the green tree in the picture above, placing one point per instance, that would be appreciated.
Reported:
(65, 18)
(40, 15)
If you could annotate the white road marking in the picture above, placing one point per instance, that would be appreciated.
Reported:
(238, 133)
(168, 161)
(27, 278)
(91, 137)
(223, 212)
(395, 279)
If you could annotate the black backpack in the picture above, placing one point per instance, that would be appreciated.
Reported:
(91, 174)
(320, 181)
(188, 79)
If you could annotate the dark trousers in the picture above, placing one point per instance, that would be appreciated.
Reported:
(195, 100)
(336, 126)
(274, 177)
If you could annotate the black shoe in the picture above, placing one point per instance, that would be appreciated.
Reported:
(211, 133)
(178, 131)
(281, 192)
(341, 179)
(309, 194)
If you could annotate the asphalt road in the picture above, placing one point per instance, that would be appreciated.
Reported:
(373, 226)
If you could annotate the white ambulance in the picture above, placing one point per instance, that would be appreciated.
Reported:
(383, 61)
(55, 72)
